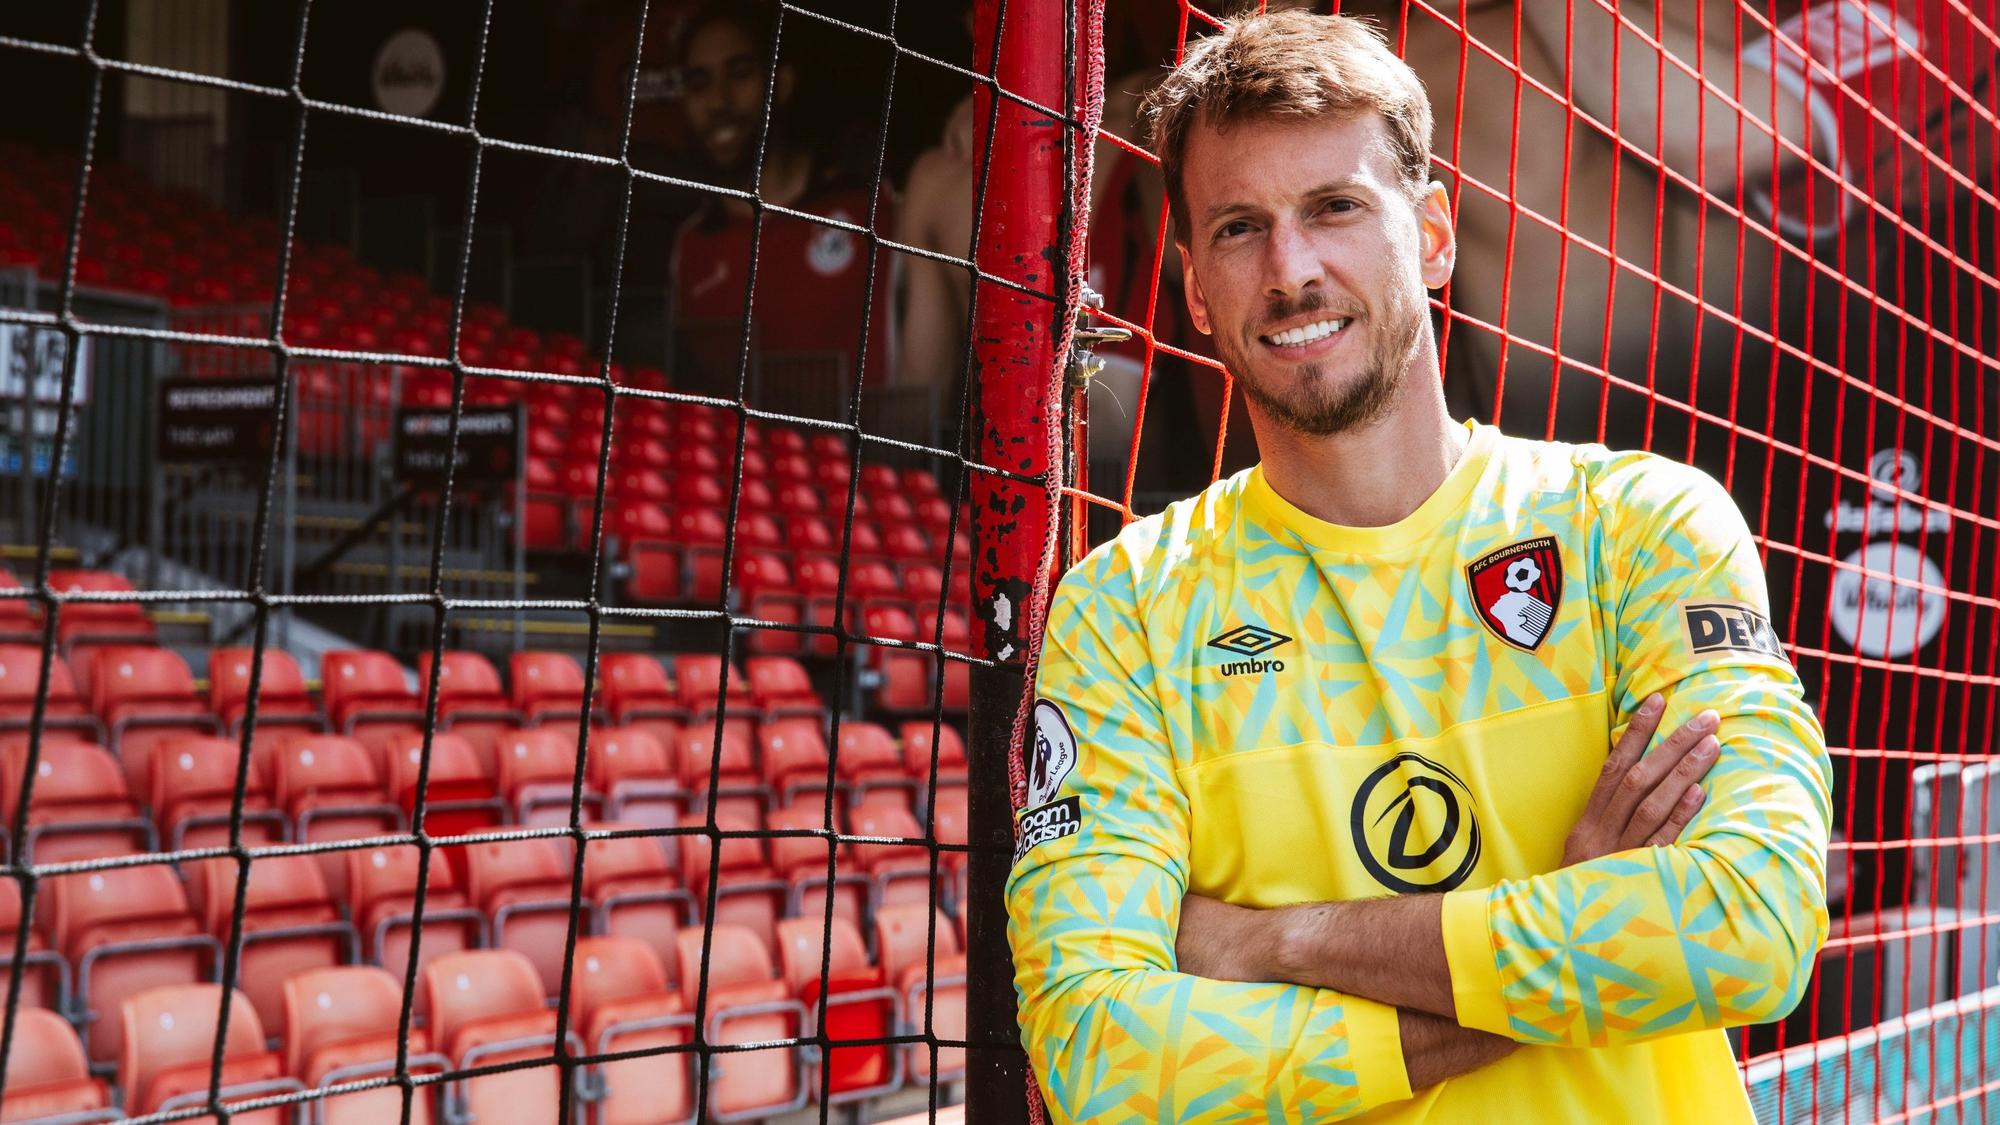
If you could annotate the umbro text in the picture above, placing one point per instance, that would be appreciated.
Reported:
(1245, 667)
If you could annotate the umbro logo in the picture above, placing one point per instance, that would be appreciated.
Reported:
(1251, 641)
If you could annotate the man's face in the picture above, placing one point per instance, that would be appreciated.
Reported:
(1307, 261)
(723, 89)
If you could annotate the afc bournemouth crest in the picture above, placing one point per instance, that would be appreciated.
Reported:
(1517, 589)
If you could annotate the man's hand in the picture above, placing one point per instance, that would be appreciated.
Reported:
(1645, 799)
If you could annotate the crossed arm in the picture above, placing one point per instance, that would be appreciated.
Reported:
(1391, 950)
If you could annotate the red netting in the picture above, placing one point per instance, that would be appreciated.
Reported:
(1756, 237)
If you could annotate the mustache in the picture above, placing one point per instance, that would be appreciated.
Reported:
(1279, 309)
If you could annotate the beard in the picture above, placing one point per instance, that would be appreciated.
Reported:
(1315, 405)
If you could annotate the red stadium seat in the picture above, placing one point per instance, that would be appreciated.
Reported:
(898, 873)
(146, 697)
(800, 860)
(635, 891)
(747, 1003)
(820, 582)
(872, 767)
(794, 755)
(283, 706)
(702, 533)
(341, 1026)
(779, 686)
(125, 930)
(903, 676)
(637, 690)
(549, 685)
(524, 887)
(20, 615)
(537, 771)
(63, 708)
(728, 762)
(764, 579)
(329, 788)
(847, 997)
(470, 701)
(955, 636)
(699, 678)
(619, 1001)
(79, 808)
(932, 991)
(486, 1009)
(366, 690)
(382, 901)
(194, 787)
(460, 793)
(169, 1041)
(48, 1077)
(289, 923)
(638, 777)
(652, 551)
(925, 744)
(44, 973)
(748, 893)
(83, 623)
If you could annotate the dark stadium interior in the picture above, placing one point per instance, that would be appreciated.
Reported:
(778, 611)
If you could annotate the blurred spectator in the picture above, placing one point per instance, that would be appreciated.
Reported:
(814, 290)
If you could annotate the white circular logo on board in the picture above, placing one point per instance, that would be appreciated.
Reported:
(1053, 754)
(408, 78)
(831, 250)
(1886, 614)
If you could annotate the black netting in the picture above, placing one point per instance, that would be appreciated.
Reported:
(488, 567)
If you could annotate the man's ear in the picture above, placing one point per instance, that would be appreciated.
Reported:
(1197, 301)
(1437, 237)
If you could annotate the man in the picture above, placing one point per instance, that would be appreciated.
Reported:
(814, 286)
(1340, 721)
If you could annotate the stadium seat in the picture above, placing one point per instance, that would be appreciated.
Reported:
(290, 923)
(283, 705)
(652, 551)
(794, 757)
(194, 788)
(638, 777)
(637, 692)
(524, 887)
(872, 767)
(328, 788)
(86, 623)
(537, 772)
(124, 930)
(730, 760)
(925, 743)
(63, 707)
(550, 685)
(44, 973)
(820, 582)
(79, 808)
(635, 890)
(748, 893)
(169, 1043)
(903, 677)
(459, 790)
(800, 860)
(48, 1077)
(146, 697)
(382, 902)
(764, 581)
(365, 691)
(932, 991)
(619, 1001)
(747, 1003)
(897, 873)
(470, 701)
(845, 999)
(954, 637)
(341, 1026)
(699, 676)
(20, 615)
(486, 1008)
(779, 686)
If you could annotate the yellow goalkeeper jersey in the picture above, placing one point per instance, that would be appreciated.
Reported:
(1241, 701)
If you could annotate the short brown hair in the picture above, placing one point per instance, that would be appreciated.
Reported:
(1289, 64)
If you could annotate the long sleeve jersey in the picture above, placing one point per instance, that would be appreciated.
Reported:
(1241, 701)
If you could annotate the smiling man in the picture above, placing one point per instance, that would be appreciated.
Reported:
(813, 286)
(1342, 803)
